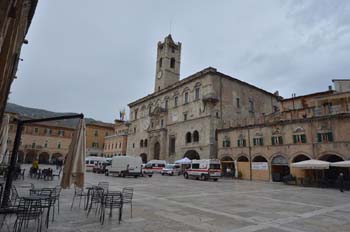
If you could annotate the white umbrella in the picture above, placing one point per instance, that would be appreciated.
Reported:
(74, 167)
(4, 137)
(311, 164)
(183, 161)
(341, 164)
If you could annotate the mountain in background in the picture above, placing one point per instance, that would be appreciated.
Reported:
(27, 112)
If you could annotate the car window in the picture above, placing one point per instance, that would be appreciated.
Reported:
(195, 166)
(214, 166)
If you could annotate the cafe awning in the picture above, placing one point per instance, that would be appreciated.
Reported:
(311, 164)
(341, 164)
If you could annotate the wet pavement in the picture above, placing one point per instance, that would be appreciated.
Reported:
(171, 203)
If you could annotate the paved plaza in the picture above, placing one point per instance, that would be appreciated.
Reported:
(171, 203)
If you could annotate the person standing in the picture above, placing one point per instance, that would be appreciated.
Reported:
(341, 182)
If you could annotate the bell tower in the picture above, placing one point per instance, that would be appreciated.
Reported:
(168, 63)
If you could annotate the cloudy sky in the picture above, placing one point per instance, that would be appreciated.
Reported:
(96, 56)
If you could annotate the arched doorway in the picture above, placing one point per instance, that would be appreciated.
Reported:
(300, 173)
(44, 158)
(192, 155)
(30, 157)
(260, 168)
(20, 157)
(156, 150)
(144, 157)
(300, 158)
(243, 167)
(228, 166)
(333, 172)
(55, 157)
(279, 168)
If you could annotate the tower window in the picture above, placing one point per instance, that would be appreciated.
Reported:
(172, 49)
(172, 63)
(166, 104)
(160, 62)
(238, 103)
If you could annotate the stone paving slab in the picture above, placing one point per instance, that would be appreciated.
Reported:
(163, 203)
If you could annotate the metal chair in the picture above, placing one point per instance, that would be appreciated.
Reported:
(112, 200)
(27, 211)
(78, 192)
(96, 199)
(104, 185)
(57, 194)
(128, 193)
(47, 203)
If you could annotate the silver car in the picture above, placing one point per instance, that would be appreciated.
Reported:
(171, 169)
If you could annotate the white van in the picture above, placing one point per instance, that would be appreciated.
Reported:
(154, 166)
(204, 169)
(91, 161)
(125, 166)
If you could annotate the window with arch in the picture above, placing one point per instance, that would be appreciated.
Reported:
(276, 140)
(188, 137)
(241, 142)
(166, 104)
(160, 62)
(258, 139)
(176, 100)
(226, 142)
(145, 143)
(251, 106)
(172, 62)
(186, 98)
(195, 136)
(299, 136)
(141, 143)
(196, 93)
(325, 137)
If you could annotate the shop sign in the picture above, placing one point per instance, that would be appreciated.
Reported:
(260, 166)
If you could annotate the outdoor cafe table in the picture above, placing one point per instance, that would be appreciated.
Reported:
(45, 199)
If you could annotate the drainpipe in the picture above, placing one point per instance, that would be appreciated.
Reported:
(250, 156)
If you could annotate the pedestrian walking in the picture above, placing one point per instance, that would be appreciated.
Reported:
(341, 182)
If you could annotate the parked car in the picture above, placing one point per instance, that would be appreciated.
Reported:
(125, 166)
(204, 169)
(171, 169)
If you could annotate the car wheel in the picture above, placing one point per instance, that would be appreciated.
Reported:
(186, 175)
(162, 174)
(216, 179)
(149, 175)
(203, 177)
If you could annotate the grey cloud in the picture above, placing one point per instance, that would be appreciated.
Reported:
(97, 56)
